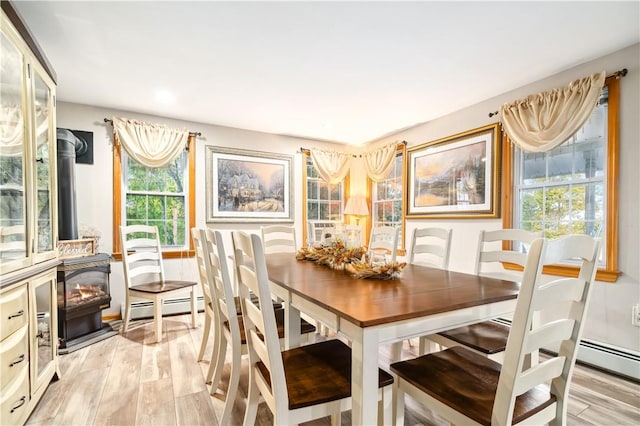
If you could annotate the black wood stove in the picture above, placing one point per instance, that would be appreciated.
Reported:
(83, 292)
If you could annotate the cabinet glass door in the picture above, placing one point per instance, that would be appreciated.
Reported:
(13, 232)
(44, 332)
(44, 164)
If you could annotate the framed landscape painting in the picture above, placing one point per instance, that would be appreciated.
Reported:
(455, 177)
(248, 186)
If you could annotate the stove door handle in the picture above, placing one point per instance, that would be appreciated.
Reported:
(17, 361)
(17, 314)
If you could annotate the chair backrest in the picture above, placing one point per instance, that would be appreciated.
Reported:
(206, 286)
(12, 242)
(141, 254)
(384, 238)
(223, 297)
(259, 322)
(490, 256)
(432, 246)
(279, 239)
(567, 300)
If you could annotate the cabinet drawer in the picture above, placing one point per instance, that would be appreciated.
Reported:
(13, 355)
(14, 401)
(13, 305)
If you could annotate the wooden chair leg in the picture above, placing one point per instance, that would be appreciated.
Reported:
(157, 318)
(398, 404)
(253, 399)
(127, 315)
(396, 351)
(385, 406)
(205, 336)
(232, 389)
(194, 310)
(218, 364)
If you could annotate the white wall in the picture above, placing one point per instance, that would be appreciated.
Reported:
(609, 317)
(610, 314)
(94, 191)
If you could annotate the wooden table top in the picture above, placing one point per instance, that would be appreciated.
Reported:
(419, 291)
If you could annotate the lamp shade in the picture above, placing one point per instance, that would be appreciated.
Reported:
(357, 206)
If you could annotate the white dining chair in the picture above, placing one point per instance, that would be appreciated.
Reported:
(144, 275)
(429, 247)
(489, 338)
(299, 384)
(279, 239)
(466, 388)
(206, 286)
(384, 239)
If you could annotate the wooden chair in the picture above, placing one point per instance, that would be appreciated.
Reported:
(144, 274)
(299, 384)
(279, 239)
(429, 247)
(385, 239)
(467, 388)
(228, 325)
(489, 338)
(206, 286)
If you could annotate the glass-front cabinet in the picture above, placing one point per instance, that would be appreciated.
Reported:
(43, 323)
(28, 224)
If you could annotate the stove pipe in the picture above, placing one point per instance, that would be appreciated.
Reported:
(68, 143)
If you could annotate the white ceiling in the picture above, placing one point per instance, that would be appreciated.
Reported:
(348, 72)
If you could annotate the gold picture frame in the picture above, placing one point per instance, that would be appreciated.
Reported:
(455, 177)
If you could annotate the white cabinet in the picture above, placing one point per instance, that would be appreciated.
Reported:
(28, 344)
(28, 221)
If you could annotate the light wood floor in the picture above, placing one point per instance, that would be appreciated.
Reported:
(127, 380)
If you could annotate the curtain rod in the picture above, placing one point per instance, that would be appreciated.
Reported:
(110, 121)
(618, 74)
(306, 150)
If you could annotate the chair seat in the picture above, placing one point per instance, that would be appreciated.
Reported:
(156, 287)
(305, 327)
(318, 373)
(467, 382)
(488, 337)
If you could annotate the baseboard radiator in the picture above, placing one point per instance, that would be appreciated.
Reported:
(144, 309)
(614, 359)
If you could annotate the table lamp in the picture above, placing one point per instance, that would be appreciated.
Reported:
(357, 206)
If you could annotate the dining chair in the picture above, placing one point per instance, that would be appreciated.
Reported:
(279, 239)
(299, 384)
(489, 338)
(429, 247)
(144, 274)
(228, 328)
(206, 286)
(467, 388)
(384, 239)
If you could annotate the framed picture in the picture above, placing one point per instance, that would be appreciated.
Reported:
(455, 177)
(248, 186)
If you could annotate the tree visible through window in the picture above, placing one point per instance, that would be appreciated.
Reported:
(157, 197)
(386, 196)
(162, 197)
(572, 188)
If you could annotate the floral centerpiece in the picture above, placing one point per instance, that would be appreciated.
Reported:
(355, 260)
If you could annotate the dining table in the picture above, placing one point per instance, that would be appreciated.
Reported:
(370, 312)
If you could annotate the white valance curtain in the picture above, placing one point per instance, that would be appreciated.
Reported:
(378, 162)
(544, 121)
(332, 166)
(152, 145)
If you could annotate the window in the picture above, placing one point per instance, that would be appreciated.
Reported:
(323, 203)
(571, 189)
(387, 196)
(163, 197)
